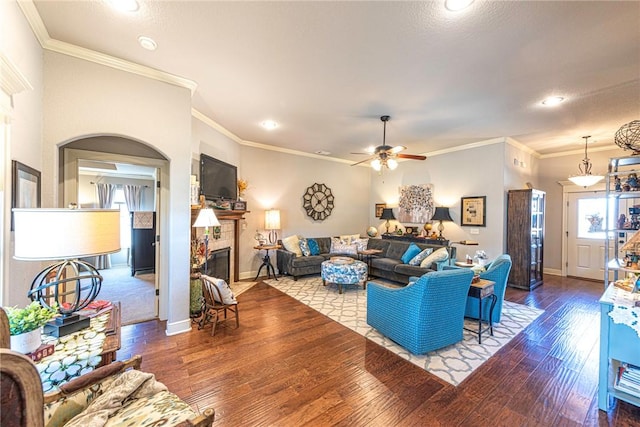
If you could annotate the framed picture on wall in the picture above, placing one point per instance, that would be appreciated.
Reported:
(379, 208)
(26, 187)
(473, 211)
(240, 205)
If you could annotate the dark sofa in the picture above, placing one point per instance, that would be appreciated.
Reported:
(387, 265)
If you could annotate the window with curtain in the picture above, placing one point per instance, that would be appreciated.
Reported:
(125, 222)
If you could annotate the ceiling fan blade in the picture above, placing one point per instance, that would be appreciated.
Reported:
(412, 156)
(365, 160)
(366, 154)
(397, 149)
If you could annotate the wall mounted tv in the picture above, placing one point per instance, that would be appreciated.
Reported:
(218, 180)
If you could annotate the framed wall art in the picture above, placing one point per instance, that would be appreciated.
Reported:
(379, 208)
(473, 211)
(25, 187)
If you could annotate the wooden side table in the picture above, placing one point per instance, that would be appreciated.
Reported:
(483, 289)
(266, 261)
(367, 254)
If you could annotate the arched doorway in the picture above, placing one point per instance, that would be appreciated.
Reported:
(86, 162)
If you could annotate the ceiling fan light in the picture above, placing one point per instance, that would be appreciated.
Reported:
(376, 164)
(392, 164)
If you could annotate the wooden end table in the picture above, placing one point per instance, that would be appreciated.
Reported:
(367, 254)
(483, 289)
(266, 261)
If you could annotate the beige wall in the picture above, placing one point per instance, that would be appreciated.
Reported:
(85, 99)
(20, 47)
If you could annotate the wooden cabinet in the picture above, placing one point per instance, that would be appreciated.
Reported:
(525, 237)
(143, 241)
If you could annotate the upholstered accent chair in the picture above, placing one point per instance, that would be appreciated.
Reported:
(497, 271)
(218, 299)
(423, 316)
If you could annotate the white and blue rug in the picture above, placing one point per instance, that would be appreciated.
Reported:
(452, 364)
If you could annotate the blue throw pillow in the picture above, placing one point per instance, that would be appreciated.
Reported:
(411, 251)
(304, 247)
(313, 247)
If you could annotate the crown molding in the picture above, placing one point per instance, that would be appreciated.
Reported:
(297, 153)
(522, 147)
(465, 147)
(35, 21)
(12, 81)
(215, 125)
(579, 151)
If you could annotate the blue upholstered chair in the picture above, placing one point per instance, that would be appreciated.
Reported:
(497, 271)
(425, 315)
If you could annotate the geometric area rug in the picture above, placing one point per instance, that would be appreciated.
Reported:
(452, 364)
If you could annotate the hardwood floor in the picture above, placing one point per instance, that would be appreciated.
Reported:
(288, 365)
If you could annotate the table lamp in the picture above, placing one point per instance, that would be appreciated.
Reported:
(441, 214)
(206, 218)
(67, 235)
(387, 214)
(272, 223)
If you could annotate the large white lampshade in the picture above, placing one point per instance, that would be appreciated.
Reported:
(272, 222)
(67, 235)
(51, 234)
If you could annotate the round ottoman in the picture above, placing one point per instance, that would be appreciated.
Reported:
(343, 271)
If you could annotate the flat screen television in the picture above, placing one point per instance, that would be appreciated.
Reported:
(218, 180)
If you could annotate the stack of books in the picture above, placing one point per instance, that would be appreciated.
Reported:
(628, 379)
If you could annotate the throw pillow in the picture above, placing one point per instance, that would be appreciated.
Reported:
(348, 239)
(411, 251)
(437, 256)
(226, 294)
(314, 249)
(304, 247)
(361, 244)
(292, 244)
(340, 248)
(416, 260)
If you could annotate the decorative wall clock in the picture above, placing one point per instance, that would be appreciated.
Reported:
(318, 201)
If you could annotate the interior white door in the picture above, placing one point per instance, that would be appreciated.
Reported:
(586, 213)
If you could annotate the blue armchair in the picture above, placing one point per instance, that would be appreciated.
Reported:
(425, 315)
(498, 272)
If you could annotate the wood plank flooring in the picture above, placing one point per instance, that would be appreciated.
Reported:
(288, 365)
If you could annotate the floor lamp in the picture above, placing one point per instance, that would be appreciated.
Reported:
(206, 218)
(67, 235)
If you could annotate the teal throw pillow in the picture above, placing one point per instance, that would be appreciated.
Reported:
(416, 260)
(304, 247)
(411, 251)
(314, 249)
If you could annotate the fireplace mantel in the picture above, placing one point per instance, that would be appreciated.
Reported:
(226, 215)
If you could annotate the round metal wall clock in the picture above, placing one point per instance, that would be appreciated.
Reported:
(318, 201)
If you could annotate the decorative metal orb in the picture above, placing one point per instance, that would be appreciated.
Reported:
(628, 137)
(372, 232)
(428, 226)
(71, 284)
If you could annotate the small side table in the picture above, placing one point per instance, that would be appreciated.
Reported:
(481, 290)
(266, 261)
(367, 254)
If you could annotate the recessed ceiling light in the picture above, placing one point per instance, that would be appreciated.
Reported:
(457, 5)
(552, 101)
(322, 152)
(147, 43)
(269, 124)
(125, 5)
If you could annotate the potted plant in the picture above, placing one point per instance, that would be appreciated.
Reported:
(25, 325)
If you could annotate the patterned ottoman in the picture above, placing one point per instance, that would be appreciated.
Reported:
(343, 271)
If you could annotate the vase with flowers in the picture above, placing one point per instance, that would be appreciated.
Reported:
(243, 184)
(25, 325)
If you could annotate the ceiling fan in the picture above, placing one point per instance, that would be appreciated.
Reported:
(385, 155)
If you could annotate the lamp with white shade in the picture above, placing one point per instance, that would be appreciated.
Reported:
(71, 284)
(272, 223)
(206, 218)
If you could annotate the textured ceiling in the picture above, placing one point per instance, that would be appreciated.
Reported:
(326, 71)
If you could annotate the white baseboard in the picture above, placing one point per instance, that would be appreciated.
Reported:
(179, 327)
(552, 271)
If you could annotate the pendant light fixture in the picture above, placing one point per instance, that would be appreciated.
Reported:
(585, 179)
